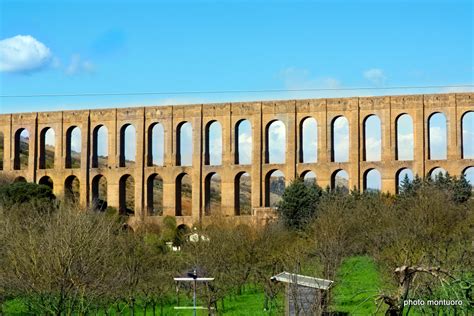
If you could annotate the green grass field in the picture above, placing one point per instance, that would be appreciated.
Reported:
(357, 284)
(249, 303)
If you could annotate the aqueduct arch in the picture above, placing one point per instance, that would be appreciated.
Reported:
(97, 152)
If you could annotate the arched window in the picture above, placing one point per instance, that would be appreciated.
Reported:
(212, 194)
(340, 181)
(184, 194)
(99, 192)
(469, 174)
(243, 143)
(467, 123)
(437, 137)
(156, 142)
(47, 148)
(22, 149)
(243, 194)
(128, 145)
(72, 189)
(46, 181)
(372, 180)
(437, 172)
(276, 142)
(19, 179)
(73, 147)
(274, 188)
(213, 144)
(405, 138)
(100, 150)
(404, 176)
(309, 140)
(340, 140)
(155, 195)
(184, 146)
(309, 178)
(372, 138)
(127, 195)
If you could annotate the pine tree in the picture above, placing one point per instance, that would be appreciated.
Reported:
(299, 204)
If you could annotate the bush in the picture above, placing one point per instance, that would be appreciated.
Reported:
(19, 193)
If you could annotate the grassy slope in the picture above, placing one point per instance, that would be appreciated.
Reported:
(357, 284)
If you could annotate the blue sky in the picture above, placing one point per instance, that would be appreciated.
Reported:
(134, 46)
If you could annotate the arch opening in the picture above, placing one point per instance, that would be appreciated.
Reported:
(467, 125)
(21, 154)
(47, 148)
(213, 196)
(243, 194)
(243, 143)
(213, 144)
(184, 193)
(437, 137)
(73, 147)
(340, 139)
(128, 145)
(275, 142)
(127, 195)
(309, 178)
(184, 144)
(155, 195)
(99, 193)
(340, 181)
(72, 189)
(274, 188)
(437, 172)
(372, 138)
(46, 181)
(19, 179)
(372, 181)
(469, 175)
(405, 138)
(404, 177)
(156, 142)
(308, 140)
(100, 150)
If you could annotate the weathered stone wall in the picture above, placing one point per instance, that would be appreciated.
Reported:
(260, 114)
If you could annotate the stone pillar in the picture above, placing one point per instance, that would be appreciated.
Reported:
(452, 128)
(169, 195)
(227, 181)
(33, 149)
(419, 134)
(140, 183)
(113, 143)
(84, 171)
(196, 175)
(291, 143)
(257, 159)
(354, 146)
(324, 129)
(6, 121)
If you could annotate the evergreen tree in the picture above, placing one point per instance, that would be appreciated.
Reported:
(299, 204)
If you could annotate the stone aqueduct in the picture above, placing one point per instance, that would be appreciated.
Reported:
(260, 115)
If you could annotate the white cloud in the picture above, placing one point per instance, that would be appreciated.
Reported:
(277, 142)
(79, 65)
(375, 76)
(23, 53)
(373, 147)
(405, 146)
